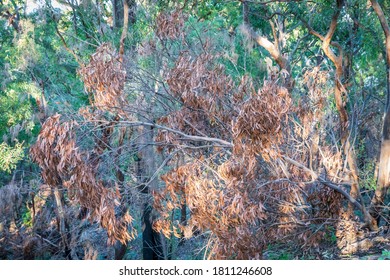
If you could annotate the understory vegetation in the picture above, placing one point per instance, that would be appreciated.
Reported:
(159, 129)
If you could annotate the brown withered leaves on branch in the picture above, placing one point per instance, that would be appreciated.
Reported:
(207, 95)
(228, 213)
(63, 163)
(258, 127)
(170, 25)
(249, 198)
(104, 76)
(227, 202)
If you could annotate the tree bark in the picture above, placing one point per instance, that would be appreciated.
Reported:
(340, 93)
(61, 221)
(13, 18)
(245, 12)
(384, 159)
(273, 48)
(152, 246)
(120, 248)
(119, 12)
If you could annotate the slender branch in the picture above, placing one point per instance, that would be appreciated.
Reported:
(187, 136)
(331, 185)
(327, 39)
(333, 23)
(275, 35)
(60, 35)
(268, 45)
(125, 29)
(381, 16)
(48, 241)
(155, 174)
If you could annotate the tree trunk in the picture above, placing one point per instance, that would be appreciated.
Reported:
(384, 159)
(118, 12)
(152, 245)
(245, 12)
(274, 48)
(340, 92)
(120, 248)
(61, 222)
(383, 183)
(128, 14)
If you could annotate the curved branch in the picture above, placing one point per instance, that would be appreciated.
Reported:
(333, 23)
(381, 16)
(187, 136)
(331, 185)
(268, 45)
(327, 39)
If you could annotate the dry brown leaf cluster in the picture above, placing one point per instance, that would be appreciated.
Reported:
(197, 83)
(104, 76)
(187, 120)
(243, 214)
(10, 201)
(243, 202)
(207, 94)
(315, 80)
(170, 25)
(258, 127)
(62, 163)
(170, 198)
(346, 232)
(232, 216)
(324, 202)
(311, 108)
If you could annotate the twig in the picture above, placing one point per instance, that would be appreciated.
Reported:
(331, 185)
(48, 241)
(189, 137)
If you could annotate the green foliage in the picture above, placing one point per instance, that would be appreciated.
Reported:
(10, 156)
(27, 218)
(224, 14)
(368, 176)
(35, 65)
(330, 235)
(278, 253)
(15, 107)
(281, 256)
(385, 255)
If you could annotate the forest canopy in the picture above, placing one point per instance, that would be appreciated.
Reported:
(159, 129)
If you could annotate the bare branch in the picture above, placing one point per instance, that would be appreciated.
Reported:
(331, 185)
(268, 45)
(186, 136)
(327, 39)
(381, 16)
